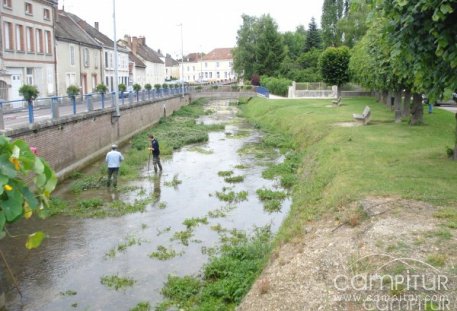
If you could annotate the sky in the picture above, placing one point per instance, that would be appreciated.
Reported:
(206, 24)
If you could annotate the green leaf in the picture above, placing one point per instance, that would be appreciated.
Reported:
(12, 207)
(30, 197)
(51, 184)
(34, 240)
(446, 8)
(39, 166)
(8, 170)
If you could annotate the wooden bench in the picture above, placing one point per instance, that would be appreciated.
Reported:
(337, 102)
(363, 118)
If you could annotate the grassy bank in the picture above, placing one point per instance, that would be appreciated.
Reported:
(341, 164)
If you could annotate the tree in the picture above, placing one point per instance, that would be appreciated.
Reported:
(17, 165)
(313, 39)
(354, 23)
(269, 47)
(334, 65)
(295, 41)
(244, 54)
(332, 11)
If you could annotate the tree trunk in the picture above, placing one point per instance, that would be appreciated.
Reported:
(378, 96)
(397, 104)
(338, 91)
(455, 147)
(417, 111)
(407, 104)
(384, 97)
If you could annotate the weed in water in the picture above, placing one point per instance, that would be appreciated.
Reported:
(232, 196)
(144, 226)
(142, 306)
(437, 260)
(216, 214)
(174, 182)
(234, 179)
(210, 251)
(182, 236)
(225, 173)
(218, 228)
(241, 166)
(121, 247)
(201, 150)
(162, 205)
(68, 293)
(116, 282)
(272, 206)
(160, 232)
(74, 305)
(266, 194)
(191, 223)
(163, 253)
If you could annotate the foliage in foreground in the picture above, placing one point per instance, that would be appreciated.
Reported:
(18, 164)
(226, 278)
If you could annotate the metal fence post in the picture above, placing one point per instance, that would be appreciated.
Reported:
(102, 95)
(90, 107)
(112, 98)
(30, 108)
(54, 107)
(73, 102)
(2, 122)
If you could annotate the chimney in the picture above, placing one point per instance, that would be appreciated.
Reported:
(134, 45)
(96, 25)
(142, 40)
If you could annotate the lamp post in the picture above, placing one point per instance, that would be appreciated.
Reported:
(182, 62)
(116, 82)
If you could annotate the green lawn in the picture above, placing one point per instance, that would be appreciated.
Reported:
(344, 164)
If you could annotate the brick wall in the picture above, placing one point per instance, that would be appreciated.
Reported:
(71, 143)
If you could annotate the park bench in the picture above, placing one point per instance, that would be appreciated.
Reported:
(337, 102)
(363, 118)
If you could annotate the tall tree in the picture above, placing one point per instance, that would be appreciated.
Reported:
(354, 23)
(244, 54)
(313, 39)
(269, 47)
(332, 12)
(295, 42)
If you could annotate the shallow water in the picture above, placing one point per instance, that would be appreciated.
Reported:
(73, 258)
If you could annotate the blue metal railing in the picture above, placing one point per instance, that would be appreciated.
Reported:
(263, 91)
(16, 113)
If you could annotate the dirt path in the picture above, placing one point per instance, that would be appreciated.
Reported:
(398, 240)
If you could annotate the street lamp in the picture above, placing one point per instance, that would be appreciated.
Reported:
(182, 63)
(116, 82)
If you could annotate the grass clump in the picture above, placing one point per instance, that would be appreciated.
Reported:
(191, 223)
(449, 215)
(182, 236)
(225, 173)
(174, 182)
(142, 306)
(437, 260)
(226, 278)
(163, 253)
(116, 282)
(121, 247)
(232, 196)
(234, 179)
(271, 199)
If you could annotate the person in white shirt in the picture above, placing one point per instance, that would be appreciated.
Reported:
(113, 161)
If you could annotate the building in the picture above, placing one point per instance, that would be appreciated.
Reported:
(216, 66)
(137, 70)
(155, 67)
(79, 56)
(171, 68)
(27, 54)
(107, 54)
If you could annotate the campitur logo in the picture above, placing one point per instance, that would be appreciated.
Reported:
(386, 283)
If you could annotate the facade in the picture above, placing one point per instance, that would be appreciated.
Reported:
(107, 54)
(171, 68)
(137, 70)
(155, 67)
(79, 56)
(216, 66)
(27, 54)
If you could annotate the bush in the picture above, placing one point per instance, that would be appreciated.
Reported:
(148, 86)
(72, 90)
(165, 86)
(121, 87)
(136, 87)
(157, 86)
(29, 92)
(255, 79)
(101, 88)
(277, 86)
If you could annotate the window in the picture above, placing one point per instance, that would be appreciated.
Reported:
(7, 4)
(217, 75)
(96, 55)
(28, 8)
(9, 42)
(206, 65)
(20, 38)
(106, 60)
(72, 55)
(70, 79)
(29, 40)
(39, 40)
(217, 64)
(86, 57)
(46, 14)
(29, 76)
(47, 35)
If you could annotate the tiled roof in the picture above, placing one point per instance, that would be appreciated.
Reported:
(67, 29)
(193, 57)
(148, 54)
(219, 54)
(136, 60)
(170, 62)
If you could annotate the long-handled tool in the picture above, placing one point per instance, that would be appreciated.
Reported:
(149, 159)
